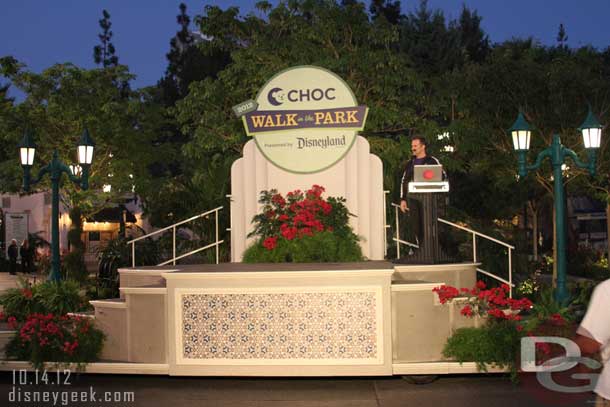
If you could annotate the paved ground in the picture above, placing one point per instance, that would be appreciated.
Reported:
(7, 281)
(454, 391)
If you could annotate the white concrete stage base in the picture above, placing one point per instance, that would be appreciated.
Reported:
(293, 323)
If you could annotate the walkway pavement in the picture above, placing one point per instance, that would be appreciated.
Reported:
(153, 391)
(7, 281)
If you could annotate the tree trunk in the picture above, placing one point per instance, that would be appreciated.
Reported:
(554, 249)
(534, 230)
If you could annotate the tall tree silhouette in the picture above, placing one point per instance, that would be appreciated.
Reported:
(104, 54)
(180, 43)
(191, 58)
(473, 40)
(386, 8)
(562, 38)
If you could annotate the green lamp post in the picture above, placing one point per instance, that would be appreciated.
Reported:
(557, 153)
(55, 169)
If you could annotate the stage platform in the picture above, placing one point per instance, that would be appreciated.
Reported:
(349, 319)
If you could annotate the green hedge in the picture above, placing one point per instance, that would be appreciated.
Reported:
(320, 248)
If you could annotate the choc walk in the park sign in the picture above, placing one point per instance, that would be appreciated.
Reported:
(304, 119)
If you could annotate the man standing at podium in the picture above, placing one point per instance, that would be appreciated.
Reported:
(420, 157)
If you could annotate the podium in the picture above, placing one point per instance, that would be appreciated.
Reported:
(428, 195)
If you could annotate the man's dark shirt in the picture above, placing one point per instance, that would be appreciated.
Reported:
(407, 176)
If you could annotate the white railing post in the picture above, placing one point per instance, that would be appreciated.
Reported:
(174, 248)
(397, 234)
(510, 272)
(474, 247)
(474, 252)
(174, 244)
(385, 224)
(217, 248)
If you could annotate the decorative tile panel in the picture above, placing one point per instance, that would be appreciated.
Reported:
(326, 325)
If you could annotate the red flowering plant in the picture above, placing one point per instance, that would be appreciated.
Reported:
(497, 342)
(46, 330)
(494, 303)
(54, 338)
(301, 227)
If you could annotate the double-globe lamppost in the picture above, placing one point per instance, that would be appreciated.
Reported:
(27, 150)
(591, 133)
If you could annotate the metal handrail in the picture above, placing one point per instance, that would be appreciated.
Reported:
(474, 253)
(397, 239)
(455, 225)
(174, 225)
(474, 248)
(173, 228)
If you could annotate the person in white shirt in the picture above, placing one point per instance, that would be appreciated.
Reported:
(593, 336)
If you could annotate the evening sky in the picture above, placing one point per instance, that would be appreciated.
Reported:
(42, 33)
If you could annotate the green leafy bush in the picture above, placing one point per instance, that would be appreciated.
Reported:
(584, 261)
(44, 298)
(545, 307)
(495, 343)
(319, 248)
(303, 227)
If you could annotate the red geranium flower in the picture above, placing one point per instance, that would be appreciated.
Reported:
(467, 311)
(557, 319)
(270, 243)
(446, 293)
(12, 322)
(278, 200)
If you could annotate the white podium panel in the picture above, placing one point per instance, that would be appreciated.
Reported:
(358, 177)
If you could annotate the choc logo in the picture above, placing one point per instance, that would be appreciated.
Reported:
(276, 96)
(273, 96)
(306, 119)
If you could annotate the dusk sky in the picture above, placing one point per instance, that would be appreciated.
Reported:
(41, 33)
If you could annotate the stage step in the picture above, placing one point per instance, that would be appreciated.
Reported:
(420, 323)
(111, 318)
(5, 336)
(456, 274)
(145, 277)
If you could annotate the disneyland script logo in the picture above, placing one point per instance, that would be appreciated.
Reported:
(304, 120)
(320, 142)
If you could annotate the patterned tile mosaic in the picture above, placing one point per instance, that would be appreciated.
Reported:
(309, 325)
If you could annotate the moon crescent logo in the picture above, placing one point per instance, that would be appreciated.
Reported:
(271, 96)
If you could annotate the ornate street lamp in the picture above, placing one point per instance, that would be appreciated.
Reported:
(557, 153)
(76, 169)
(27, 150)
(85, 155)
(55, 169)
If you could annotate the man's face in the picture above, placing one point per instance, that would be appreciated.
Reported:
(417, 148)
